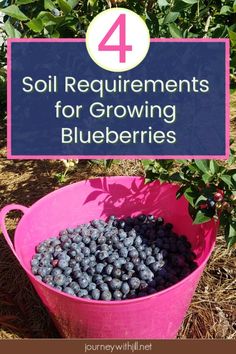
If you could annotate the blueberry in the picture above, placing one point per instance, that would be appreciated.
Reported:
(103, 255)
(117, 295)
(97, 279)
(168, 226)
(150, 260)
(136, 261)
(76, 274)
(128, 241)
(95, 294)
(101, 240)
(72, 253)
(114, 239)
(143, 285)
(72, 263)
(66, 245)
(138, 241)
(106, 295)
(115, 284)
(86, 251)
(34, 262)
(121, 224)
(91, 270)
(42, 271)
(118, 245)
(93, 247)
(58, 287)
(129, 266)
(94, 235)
(125, 288)
(107, 278)
(119, 262)
(34, 270)
(125, 277)
(99, 267)
(48, 279)
(142, 255)
(82, 293)
(116, 272)
(103, 287)
(155, 266)
(59, 279)
(69, 291)
(150, 217)
(62, 264)
(145, 275)
(39, 277)
(67, 271)
(160, 221)
(134, 283)
(41, 248)
(142, 218)
(133, 253)
(83, 282)
(91, 286)
(123, 252)
(164, 254)
(74, 286)
(108, 269)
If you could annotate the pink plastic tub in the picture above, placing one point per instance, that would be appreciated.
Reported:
(155, 316)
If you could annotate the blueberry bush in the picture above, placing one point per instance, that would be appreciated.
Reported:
(165, 18)
(208, 185)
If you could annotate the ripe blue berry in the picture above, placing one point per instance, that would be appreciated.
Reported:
(134, 283)
(106, 296)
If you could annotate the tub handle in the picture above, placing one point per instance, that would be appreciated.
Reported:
(3, 214)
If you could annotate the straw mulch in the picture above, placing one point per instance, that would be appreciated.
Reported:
(212, 313)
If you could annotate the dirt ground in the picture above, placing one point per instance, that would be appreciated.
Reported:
(212, 313)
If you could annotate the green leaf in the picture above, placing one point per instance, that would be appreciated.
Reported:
(225, 10)
(14, 12)
(206, 178)
(49, 5)
(203, 165)
(163, 3)
(232, 36)
(227, 180)
(190, 196)
(92, 2)
(35, 25)
(11, 31)
(55, 34)
(73, 3)
(24, 2)
(201, 218)
(200, 199)
(213, 167)
(171, 17)
(232, 229)
(231, 241)
(147, 163)
(64, 6)
(179, 6)
(48, 19)
(175, 31)
(190, 2)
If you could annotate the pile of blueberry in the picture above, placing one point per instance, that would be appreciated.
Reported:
(114, 260)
